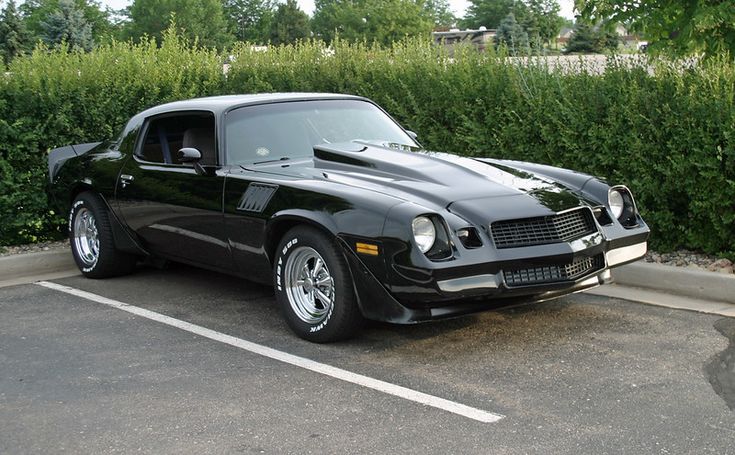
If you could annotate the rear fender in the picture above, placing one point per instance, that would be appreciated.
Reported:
(58, 156)
(123, 238)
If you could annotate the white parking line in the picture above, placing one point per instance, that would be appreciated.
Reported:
(338, 373)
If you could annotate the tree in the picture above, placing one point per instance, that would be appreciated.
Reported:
(202, 19)
(588, 39)
(35, 12)
(676, 27)
(511, 34)
(540, 19)
(67, 25)
(250, 20)
(488, 13)
(14, 38)
(440, 12)
(583, 40)
(382, 21)
(290, 24)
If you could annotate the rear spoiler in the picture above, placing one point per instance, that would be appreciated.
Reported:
(58, 156)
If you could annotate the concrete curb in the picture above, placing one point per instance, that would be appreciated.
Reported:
(17, 266)
(680, 281)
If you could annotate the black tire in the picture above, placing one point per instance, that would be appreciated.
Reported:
(340, 318)
(108, 261)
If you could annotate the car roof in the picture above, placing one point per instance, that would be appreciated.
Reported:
(218, 104)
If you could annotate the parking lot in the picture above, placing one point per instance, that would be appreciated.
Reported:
(583, 374)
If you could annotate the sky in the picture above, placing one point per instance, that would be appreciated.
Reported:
(459, 6)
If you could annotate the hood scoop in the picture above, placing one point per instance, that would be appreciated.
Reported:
(387, 162)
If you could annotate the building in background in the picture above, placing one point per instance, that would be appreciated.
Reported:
(480, 38)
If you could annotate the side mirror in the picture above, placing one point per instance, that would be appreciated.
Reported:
(189, 155)
(413, 135)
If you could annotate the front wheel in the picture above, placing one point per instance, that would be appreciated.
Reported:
(92, 244)
(314, 287)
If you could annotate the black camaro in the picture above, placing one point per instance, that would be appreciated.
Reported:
(332, 202)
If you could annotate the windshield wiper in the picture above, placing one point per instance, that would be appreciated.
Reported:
(283, 158)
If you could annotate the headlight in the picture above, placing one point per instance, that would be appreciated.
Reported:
(616, 202)
(424, 233)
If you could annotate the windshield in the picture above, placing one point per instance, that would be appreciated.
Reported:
(290, 130)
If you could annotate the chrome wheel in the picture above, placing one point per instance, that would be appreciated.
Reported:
(86, 237)
(309, 285)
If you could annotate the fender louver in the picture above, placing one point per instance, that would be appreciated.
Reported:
(256, 197)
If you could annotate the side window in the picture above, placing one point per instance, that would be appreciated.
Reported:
(166, 135)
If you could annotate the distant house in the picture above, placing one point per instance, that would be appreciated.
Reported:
(627, 39)
(564, 34)
(480, 38)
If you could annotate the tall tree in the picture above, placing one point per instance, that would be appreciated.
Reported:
(250, 20)
(592, 39)
(440, 12)
(382, 21)
(678, 27)
(511, 34)
(487, 13)
(67, 25)
(14, 38)
(35, 12)
(540, 19)
(290, 24)
(202, 19)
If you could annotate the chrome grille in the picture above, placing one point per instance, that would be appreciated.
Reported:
(561, 227)
(553, 273)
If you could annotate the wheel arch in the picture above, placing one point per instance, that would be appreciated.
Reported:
(124, 240)
(283, 222)
(78, 188)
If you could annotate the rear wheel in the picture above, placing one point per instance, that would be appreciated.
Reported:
(314, 287)
(92, 244)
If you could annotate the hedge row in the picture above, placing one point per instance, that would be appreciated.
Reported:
(665, 130)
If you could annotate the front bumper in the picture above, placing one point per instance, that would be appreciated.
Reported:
(465, 289)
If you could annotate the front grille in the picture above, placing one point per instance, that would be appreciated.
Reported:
(541, 230)
(553, 273)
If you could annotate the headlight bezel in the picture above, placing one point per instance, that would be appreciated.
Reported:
(441, 248)
(628, 215)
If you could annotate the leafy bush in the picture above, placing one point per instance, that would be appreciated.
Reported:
(666, 129)
(55, 98)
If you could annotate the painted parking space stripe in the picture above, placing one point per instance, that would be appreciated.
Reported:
(301, 362)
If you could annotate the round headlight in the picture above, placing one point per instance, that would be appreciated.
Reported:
(424, 233)
(617, 203)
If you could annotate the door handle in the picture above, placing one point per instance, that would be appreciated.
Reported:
(126, 180)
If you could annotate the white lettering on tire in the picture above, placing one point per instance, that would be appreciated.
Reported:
(279, 267)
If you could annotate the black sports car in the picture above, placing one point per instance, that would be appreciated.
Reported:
(330, 200)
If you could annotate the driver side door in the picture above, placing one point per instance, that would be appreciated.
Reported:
(175, 208)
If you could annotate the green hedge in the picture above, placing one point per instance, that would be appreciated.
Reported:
(665, 130)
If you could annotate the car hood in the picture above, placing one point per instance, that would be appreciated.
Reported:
(463, 185)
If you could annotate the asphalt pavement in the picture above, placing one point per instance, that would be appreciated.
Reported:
(582, 374)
